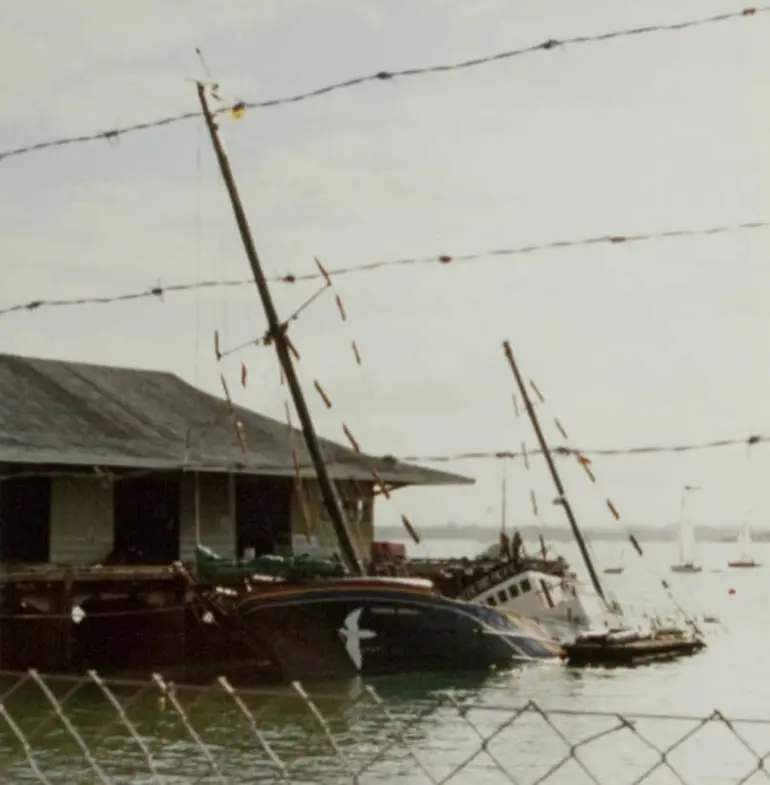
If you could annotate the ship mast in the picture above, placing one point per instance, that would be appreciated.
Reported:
(563, 500)
(276, 331)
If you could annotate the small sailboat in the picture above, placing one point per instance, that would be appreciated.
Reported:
(618, 568)
(687, 562)
(744, 549)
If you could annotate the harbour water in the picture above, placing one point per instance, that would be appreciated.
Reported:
(422, 727)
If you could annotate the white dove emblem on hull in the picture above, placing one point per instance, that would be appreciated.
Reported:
(352, 634)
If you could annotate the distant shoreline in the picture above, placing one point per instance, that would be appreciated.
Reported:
(489, 534)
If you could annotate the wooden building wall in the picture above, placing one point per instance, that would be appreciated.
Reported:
(216, 515)
(82, 518)
(311, 517)
(82, 523)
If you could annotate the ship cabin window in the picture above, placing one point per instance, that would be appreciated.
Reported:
(491, 601)
(502, 596)
(514, 590)
(526, 585)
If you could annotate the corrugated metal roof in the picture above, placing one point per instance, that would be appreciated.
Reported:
(77, 414)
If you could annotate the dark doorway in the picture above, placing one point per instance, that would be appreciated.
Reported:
(146, 521)
(25, 520)
(262, 514)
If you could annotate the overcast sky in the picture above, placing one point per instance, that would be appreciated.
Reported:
(653, 343)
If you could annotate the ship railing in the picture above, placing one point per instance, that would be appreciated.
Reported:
(503, 572)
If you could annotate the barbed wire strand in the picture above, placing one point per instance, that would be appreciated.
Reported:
(110, 474)
(113, 134)
(158, 291)
(564, 451)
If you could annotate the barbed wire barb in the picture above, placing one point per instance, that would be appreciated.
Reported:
(113, 134)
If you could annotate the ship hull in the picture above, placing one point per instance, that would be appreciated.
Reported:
(377, 627)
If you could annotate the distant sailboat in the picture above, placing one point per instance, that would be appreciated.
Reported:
(744, 549)
(618, 568)
(687, 562)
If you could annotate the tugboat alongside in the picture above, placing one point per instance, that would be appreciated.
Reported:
(335, 626)
(628, 648)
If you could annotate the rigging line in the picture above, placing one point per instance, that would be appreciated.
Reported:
(389, 75)
(264, 340)
(198, 259)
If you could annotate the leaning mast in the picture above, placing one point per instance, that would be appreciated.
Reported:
(277, 330)
(594, 575)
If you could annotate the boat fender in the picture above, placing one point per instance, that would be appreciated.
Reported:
(623, 636)
(592, 636)
(670, 630)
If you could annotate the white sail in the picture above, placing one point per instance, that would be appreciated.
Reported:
(686, 542)
(744, 543)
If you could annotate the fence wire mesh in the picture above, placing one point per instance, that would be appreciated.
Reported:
(84, 730)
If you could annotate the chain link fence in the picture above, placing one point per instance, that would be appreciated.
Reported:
(87, 730)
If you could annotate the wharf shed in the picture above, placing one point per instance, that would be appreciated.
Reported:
(101, 463)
